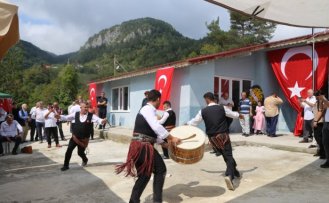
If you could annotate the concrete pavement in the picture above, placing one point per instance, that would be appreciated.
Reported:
(268, 175)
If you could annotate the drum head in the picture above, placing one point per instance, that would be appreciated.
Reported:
(186, 131)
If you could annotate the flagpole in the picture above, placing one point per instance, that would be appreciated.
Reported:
(313, 62)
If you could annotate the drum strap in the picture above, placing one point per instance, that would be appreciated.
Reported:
(220, 140)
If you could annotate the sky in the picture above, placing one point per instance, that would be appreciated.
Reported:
(63, 26)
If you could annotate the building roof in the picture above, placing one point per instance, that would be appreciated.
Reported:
(302, 40)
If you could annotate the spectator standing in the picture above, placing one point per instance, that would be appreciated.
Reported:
(319, 112)
(40, 120)
(245, 109)
(308, 105)
(10, 131)
(59, 111)
(144, 102)
(271, 104)
(102, 108)
(23, 120)
(32, 123)
(259, 119)
(225, 100)
(15, 110)
(51, 125)
(325, 131)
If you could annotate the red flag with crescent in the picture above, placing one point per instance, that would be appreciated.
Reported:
(92, 94)
(163, 80)
(293, 70)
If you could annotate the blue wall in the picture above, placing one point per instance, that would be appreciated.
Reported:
(190, 83)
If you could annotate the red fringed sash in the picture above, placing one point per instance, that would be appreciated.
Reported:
(134, 152)
(220, 140)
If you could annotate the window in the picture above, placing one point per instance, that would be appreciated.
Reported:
(120, 99)
(233, 86)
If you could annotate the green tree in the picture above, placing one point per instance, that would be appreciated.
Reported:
(69, 85)
(251, 30)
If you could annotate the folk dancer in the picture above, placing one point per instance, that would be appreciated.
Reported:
(214, 116)
(168, 120)
(83, 124)
(142, 154)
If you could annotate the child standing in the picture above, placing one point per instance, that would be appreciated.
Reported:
(259, 119)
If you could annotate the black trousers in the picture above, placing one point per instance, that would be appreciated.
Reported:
(325, 139)
(32, 129)
(70, 148)
(165, 150)
(51, 132)
(60, 129)
(92, 133)
(159, 170)
(17, 141)
(102, 114)
(307, 129)
(229, 160)
(319, 139)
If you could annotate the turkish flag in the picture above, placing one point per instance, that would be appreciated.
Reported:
(92, 94)
(6, 104)
(293, 70)
(163, 80)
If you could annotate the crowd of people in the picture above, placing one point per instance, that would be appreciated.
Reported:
(43, 122)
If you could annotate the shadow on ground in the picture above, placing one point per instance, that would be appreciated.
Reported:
(191, 189)
(27, 178)
(308, 184)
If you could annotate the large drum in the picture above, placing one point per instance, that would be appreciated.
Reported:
(191, 149)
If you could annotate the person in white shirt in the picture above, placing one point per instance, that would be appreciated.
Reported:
(214, 117)
(40, 120)
(81, 130)
(308, 105)
(51, 126)
(33, 124)
(142, 155)
(168, 120)
(10, 131)
(225, 100)
(3, 115)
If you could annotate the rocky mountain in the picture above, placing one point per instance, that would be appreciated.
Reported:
(135, 43)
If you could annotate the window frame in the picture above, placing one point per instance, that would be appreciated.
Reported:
(230, 79)
(120, 99)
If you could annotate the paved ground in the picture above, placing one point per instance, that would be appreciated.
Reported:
(269, 175)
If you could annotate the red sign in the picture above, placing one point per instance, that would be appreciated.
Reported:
(293, 70)
(92, 94)
(163, 80)
(6, 104)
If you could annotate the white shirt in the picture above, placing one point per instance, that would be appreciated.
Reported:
(10, 130)
(32, 112)
(83, 118)
(149, 113)
(164, 117)
(75, 108)
(308, 110)
(198, 118)
(40, 115)
(226, 102)
(3, 114)
(50, 121)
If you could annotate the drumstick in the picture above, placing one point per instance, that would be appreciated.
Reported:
(188, 137)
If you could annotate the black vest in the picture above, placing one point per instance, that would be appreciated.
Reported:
(171, 120)
(215, 119)
(82, 130)
(142, 126)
